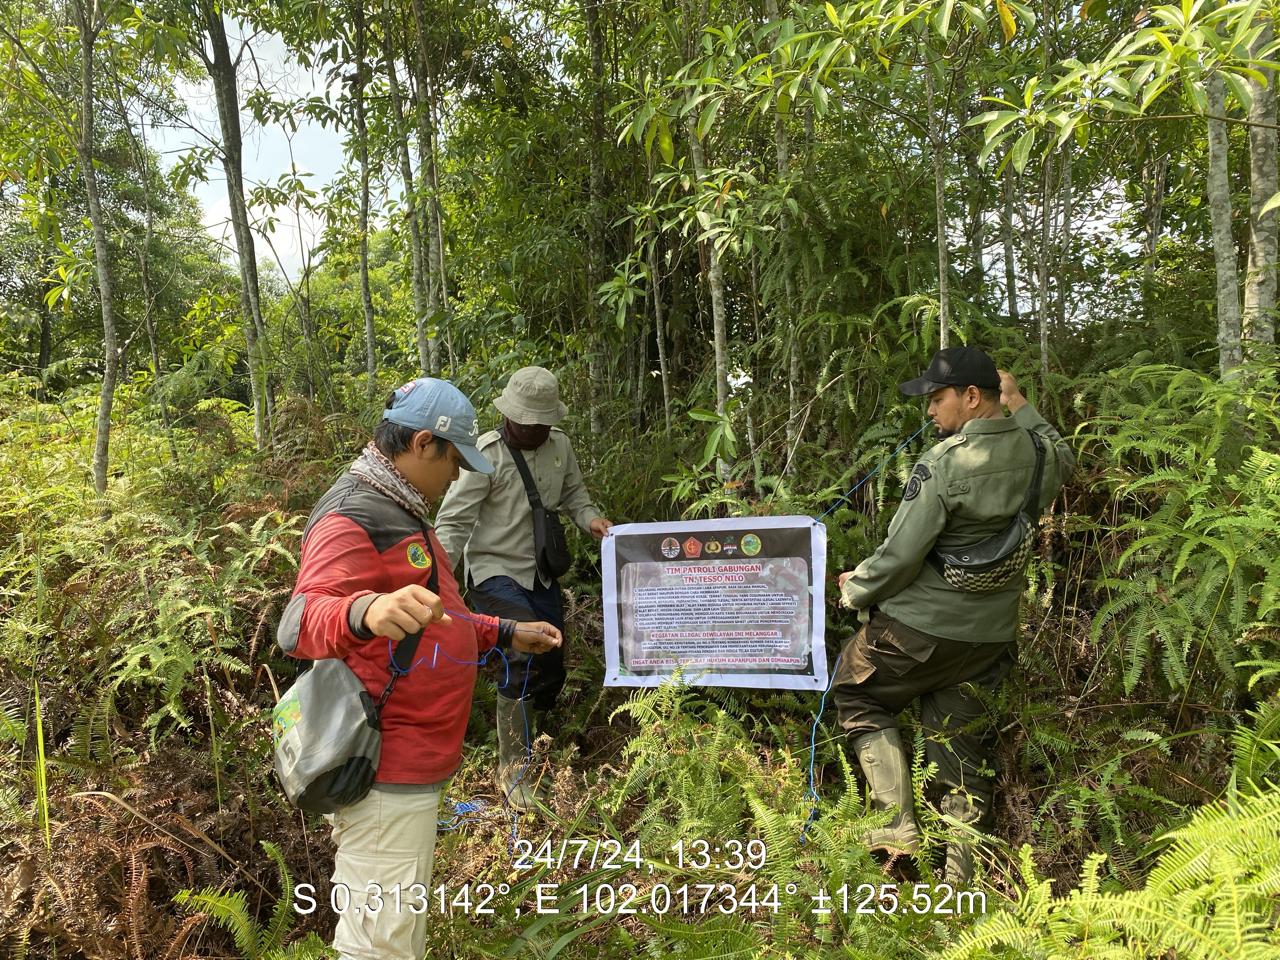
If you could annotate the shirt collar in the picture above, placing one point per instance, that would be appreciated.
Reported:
(990, 425)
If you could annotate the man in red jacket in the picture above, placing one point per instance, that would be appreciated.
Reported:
(368, 552)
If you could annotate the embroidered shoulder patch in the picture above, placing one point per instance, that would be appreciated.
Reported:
(919, 475)
(418, 557)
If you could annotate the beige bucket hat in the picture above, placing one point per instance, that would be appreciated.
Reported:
(532, 397)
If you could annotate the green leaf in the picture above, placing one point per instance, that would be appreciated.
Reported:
(1067, 129)
(1196, 94)
(944, 18)
(1001, 120)
(708, 118)
(1082, 133)
(713, 444)
(1239, 88)
(833, 16)
(1270, 205)
(665, 147)
(820, 98)
(1022, 150)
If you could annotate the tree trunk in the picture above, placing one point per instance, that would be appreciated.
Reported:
(976, 228)
(596, 322)
(1224, 247)
(45, 311)
(659, 333)
(1258, 321)
(1062, 246)
(714, 272)
(1153, 179)
(1006, 235)
(940, 204)
(222, 71)
(437, 218)
(782, 155)
(362, 153)
(715, 284)
(85, 149)
(1043, 307)
(426, 170)
(428, 346)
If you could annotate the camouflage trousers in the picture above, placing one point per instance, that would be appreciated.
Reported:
(887, 665)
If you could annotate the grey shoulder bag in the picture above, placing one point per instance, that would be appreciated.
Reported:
(994, 562)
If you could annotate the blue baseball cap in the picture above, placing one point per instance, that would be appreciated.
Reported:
(439, 406)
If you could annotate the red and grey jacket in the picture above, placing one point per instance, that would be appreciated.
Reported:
(359, 543)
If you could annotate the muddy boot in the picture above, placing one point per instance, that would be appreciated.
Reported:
(888, 773)
(967, 809)
(514, 769)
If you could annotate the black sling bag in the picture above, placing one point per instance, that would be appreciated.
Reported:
(550, 547)
(994, 562)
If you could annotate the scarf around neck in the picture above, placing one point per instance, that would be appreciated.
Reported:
(375, 469)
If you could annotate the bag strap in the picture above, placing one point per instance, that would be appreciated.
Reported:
(1033, 491)
(408, 646)
(530, 489)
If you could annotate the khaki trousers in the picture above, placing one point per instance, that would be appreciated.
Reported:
(385, 842)
(888, 664)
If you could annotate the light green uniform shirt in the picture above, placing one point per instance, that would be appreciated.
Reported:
(487, 520)
(964, 489)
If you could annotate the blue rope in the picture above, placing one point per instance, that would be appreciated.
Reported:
(813, 752)
(462, 808)
(835, 506)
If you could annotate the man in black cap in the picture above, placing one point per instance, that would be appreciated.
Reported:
(938, 629)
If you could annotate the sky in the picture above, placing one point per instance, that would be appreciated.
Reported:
(316, 151)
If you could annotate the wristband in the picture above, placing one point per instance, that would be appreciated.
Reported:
(506, 633)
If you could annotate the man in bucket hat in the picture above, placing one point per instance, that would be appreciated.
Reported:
(487, 521)
(939, 632)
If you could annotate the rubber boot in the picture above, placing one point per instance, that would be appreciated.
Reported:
(967, 809)
(513, 754)
(888, 773)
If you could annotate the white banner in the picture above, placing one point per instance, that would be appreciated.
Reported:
(731, 603)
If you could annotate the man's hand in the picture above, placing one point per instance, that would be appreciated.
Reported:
(1010, 393)
(408, 610)
(840, 581)
(538, 637)
(600, 527)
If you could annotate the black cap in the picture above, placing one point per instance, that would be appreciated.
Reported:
(954, 367)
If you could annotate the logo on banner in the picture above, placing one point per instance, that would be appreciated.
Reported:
(713, 546)
(419, 559)
(671, 548)
(730, 545)
(693, 548)
(750, 544)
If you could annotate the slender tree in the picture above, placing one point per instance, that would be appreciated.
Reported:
(213, 49)
(1224, 246)
(362, 158)
(1258, 321)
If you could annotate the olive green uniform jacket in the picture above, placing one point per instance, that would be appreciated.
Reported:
(964, 489)
(487, 519)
